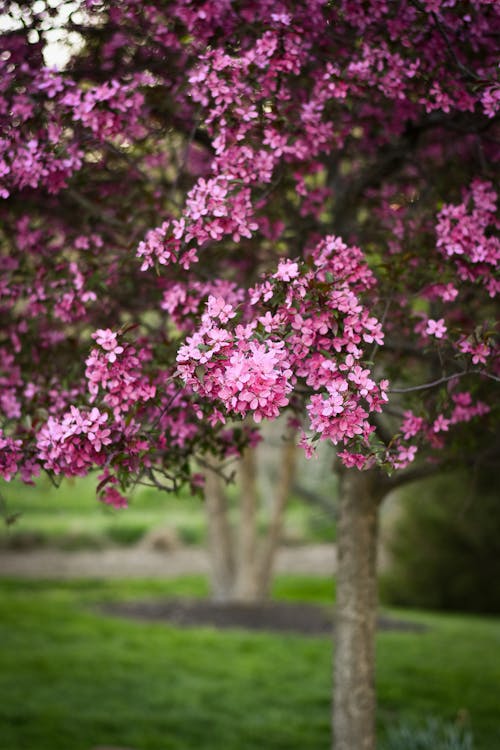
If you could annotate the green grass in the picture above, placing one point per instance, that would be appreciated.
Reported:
(71, 677)
(70, 517)
(451, 671)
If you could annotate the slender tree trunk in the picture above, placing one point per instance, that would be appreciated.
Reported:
(220, 541)
(356, 611)
(246, 587)
(241, 568)
(271, 542)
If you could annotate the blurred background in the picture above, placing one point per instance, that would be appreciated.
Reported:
(111, 638)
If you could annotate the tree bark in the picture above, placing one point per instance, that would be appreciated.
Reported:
(271, 542)
(246, 586)
(241, 565)
(219, 537)
(356, 610)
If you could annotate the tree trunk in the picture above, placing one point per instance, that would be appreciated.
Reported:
(356, 611)
(219, 537)
(241, 568)
(271, 542)
(246, 586)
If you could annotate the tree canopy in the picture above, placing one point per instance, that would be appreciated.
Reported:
(219, 210)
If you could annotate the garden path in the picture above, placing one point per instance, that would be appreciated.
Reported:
(142, 562)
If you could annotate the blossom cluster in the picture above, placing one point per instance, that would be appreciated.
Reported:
(235, 368)
(465, 233)
(180, 177)
(10, 456)
(311, 337)
(427, 433)
(38, 145)
(74, 444)
(115, 374)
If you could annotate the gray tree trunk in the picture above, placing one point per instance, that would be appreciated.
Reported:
(271, 542)
(220, 542)
(356, 611)
(241, 565)
(246, 585)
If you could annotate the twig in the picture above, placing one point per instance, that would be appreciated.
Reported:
(444, 379)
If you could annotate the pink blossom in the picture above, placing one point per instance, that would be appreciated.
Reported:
(404, 456)
(479, 351)
(441, 424)
(10, 456)
(411, 425)
(107, 340)
(357, 460)
(193, 201)
(111, 496)
(287, 270)
(436, 328)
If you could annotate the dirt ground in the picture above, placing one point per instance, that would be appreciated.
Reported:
(143, 562)
(281, 617)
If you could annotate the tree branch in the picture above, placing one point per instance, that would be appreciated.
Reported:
(444, 379)
(451, 52)
(416, 473)
(92, 208)
(314, 498)
(383, 433)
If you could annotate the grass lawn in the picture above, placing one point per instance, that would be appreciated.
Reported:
(71, 678)
(70, 517)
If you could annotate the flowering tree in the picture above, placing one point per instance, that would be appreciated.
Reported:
(214, 211)
(242, 554)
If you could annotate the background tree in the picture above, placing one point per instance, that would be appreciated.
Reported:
(442, 545)
(171, 258)
(242, 555)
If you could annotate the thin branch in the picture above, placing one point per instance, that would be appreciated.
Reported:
(444, 379)
(93, 209)
(432, 383)
(314, 498)
(159, 485)
(130, 161)
(182, 162)
(487, 375)
(382, 432)
(165, 408)
(228, 479)
(414, 474)
(451, 52)
(465, 70)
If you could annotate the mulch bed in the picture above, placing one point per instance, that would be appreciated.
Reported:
(280, 617)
